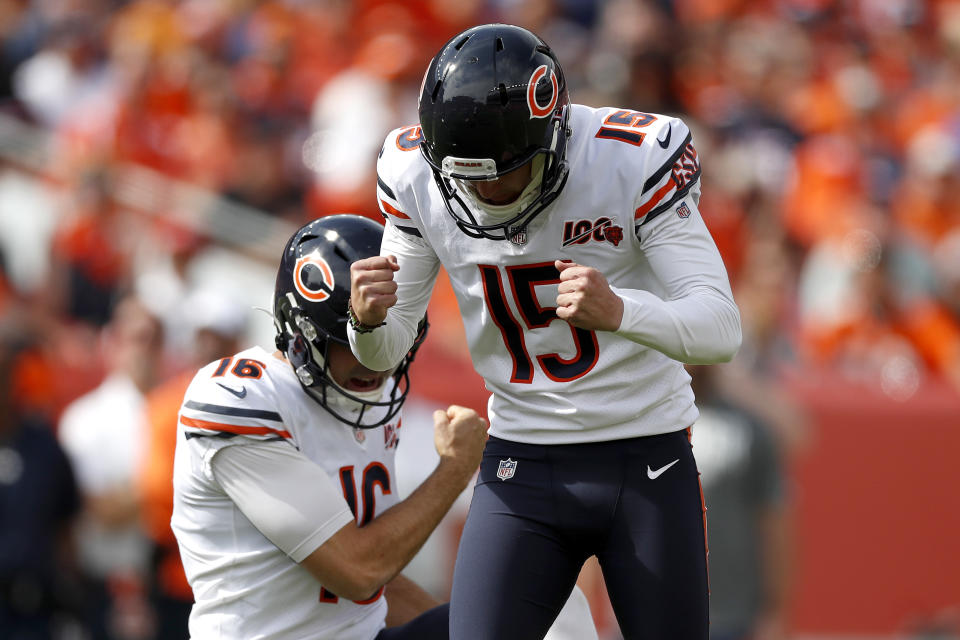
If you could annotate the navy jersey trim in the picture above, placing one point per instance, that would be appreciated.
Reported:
(383, 187)
(412, 231)
(189, 435)
(679, 195)
(655, 179)
(233, 411)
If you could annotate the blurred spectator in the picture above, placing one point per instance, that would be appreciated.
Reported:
(64, 73)
(357, 105)
(260, 175)
(748, 528)
(104, 433)
(862, 315)
(38, 502)
(163, 280)
(219, 323)
(933, 321)
(927, 201)
(89, 261)
(755, 379)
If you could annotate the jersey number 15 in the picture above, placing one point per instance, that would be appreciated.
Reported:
(523, 280)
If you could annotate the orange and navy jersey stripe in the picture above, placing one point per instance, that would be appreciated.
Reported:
(668, 184)
(220, 421)
(390, 207)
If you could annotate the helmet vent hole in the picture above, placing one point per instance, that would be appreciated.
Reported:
(499, 44)
(460, 44)
(504, 98)
(436, 92)
(341, 254)
(544, 49)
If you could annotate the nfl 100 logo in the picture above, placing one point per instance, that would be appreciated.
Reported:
(506, 469)
(683, 210)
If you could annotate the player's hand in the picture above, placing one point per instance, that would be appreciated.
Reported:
(585, 299)
(459, 435)
(372, 289)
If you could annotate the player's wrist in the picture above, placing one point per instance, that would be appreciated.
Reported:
(358, 325)
(456, 468)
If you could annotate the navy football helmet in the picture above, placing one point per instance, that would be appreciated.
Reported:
(493, 99)
(310, 304)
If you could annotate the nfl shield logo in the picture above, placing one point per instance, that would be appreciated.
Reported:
(518, 235)
(506, 469)
(683, 210)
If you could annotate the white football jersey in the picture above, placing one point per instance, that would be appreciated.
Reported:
(629, 209)
(244, 585)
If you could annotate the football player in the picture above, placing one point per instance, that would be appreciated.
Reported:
(286, 510)
(585, 277)
(285, 505)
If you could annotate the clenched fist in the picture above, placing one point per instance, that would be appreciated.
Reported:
(372, 289)
(585, 299)
(459, 435)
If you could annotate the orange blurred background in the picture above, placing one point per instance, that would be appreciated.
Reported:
(167, 147)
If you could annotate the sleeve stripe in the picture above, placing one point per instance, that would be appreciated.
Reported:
(409, 231)
(383, 187)
(225, 436)
(655, 179)
(233, 411)
(233, 428)
(389, 208)
(673, 199)
(654, 200)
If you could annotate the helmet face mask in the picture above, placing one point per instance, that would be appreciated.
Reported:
(310, 314)
(493, 99)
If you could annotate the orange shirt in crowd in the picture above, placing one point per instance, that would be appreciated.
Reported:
(935, 332)
(156, 482)
(87, 243)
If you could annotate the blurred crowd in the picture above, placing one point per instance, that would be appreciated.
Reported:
(829, 133)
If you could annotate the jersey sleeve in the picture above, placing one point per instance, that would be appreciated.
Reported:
(266, 480)
(384, 347)
(205, 417)
(224, 411)
(672, 172)
(697, 321)
(233, 427)
(399, 148)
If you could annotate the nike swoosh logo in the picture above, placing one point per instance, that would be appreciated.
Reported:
(653, 475)
(666, 141)
(240, 394)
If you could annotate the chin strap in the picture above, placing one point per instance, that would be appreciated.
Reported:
(505, 211)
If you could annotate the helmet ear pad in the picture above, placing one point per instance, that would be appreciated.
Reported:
(492, 99)
(311, 297)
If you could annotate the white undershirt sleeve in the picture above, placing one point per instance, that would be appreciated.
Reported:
(384, 347)
(287, 497)
(697, 322)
